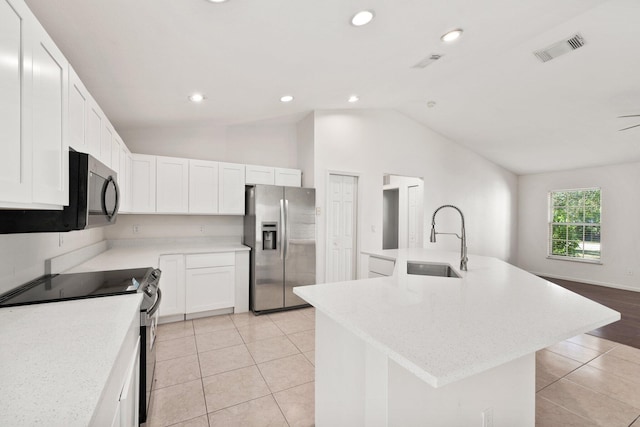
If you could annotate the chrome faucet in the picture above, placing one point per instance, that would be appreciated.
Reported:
(463, 238)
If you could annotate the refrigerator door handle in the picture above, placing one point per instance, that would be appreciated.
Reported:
(282, 229)
(286, 228)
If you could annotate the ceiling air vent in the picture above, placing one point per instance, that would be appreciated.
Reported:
(428, 60)
(560, 48)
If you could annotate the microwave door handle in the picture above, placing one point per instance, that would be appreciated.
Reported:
(112, 214)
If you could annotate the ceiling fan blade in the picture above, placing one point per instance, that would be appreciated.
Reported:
(630, 127)
(632, 115)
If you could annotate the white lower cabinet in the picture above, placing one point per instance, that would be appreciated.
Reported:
(194, 284)
(128, 411)
(380, 267)
(209, 282)
(210, 288)
(172, 285)
(120, 398)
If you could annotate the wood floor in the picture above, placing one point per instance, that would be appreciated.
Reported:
(627, 329)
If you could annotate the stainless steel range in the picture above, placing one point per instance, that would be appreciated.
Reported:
(65, 287)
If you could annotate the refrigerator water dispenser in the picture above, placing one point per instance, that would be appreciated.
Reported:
(269, 233)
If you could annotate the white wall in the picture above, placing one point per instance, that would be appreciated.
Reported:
(374, 142)
(620, 232)
(264, 143)
(305, 148)
(22, 256)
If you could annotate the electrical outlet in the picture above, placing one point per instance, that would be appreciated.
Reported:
(61, 239)
(487, 417)
(318, 211)
(136, 229)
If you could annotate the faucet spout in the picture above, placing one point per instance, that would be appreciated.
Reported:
(462, 236)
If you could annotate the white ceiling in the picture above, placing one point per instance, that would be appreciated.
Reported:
(140, 59)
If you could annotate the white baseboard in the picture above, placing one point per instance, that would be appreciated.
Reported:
(589, 282)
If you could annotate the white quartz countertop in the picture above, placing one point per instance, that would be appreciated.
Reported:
(137, 254)
(447, 329)
(56, 358)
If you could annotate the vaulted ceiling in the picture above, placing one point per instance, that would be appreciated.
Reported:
(141, 59)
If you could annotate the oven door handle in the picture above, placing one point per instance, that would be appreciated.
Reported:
(156, 305)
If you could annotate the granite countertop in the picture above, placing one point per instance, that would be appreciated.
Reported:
(122, 254)
(56, 358)
(446, 329)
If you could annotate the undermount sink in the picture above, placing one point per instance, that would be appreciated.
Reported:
(431, 269)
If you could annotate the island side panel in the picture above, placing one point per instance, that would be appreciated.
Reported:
(505, 394)
(351, 378)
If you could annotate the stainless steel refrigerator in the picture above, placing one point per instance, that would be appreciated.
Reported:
(280, 228)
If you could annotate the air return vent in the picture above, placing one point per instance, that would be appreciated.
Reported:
(560, 48)
(428, 60)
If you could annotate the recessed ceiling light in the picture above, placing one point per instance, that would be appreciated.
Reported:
(286, 98)
(216, 1)
(354, 98)
(362, 18)
(452, 35)
(196, 97)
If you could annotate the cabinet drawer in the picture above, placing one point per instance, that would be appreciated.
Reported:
(210, 260)
(381, 266)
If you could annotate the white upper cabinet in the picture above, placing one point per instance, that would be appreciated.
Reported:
(231, 186)
(33, 112)
(172, 185)
(116, 143)
(78, 107)
(94, 129)
(124, 179)
(259, 175)
(50, 109)
(143, 183)
(203, 187)
(15, 164)
(288, 177)
(106, 142)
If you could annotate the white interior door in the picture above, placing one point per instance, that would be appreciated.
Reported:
(414, 216)
(342, 226)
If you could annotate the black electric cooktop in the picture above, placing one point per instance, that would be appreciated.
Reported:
(63, 287)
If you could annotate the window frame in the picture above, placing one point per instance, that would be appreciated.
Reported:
(550, 224)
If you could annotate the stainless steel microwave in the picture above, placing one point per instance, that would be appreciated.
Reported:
(94, 199)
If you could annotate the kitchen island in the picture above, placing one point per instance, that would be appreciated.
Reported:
(422, 350)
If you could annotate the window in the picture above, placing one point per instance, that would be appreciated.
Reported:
(574, 225)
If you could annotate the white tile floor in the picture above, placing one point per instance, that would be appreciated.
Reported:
(246, 370)
(236, 370)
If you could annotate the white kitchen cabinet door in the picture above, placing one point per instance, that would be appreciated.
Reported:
(128, 407)
(106, 142)
(143, 183)
(259, 175)
(288, 177)
(115, 154)
(15, 161)
(172, 285)
(124, 179)
(78, 107)
(210, 288)
(172, 185)
(94, 128)
(50, 109)
(203, 187)
(231, 185)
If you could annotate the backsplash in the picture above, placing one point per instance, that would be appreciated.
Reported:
(167, 226)
(22, 256)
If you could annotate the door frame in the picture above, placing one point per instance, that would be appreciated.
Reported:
(357, 176)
